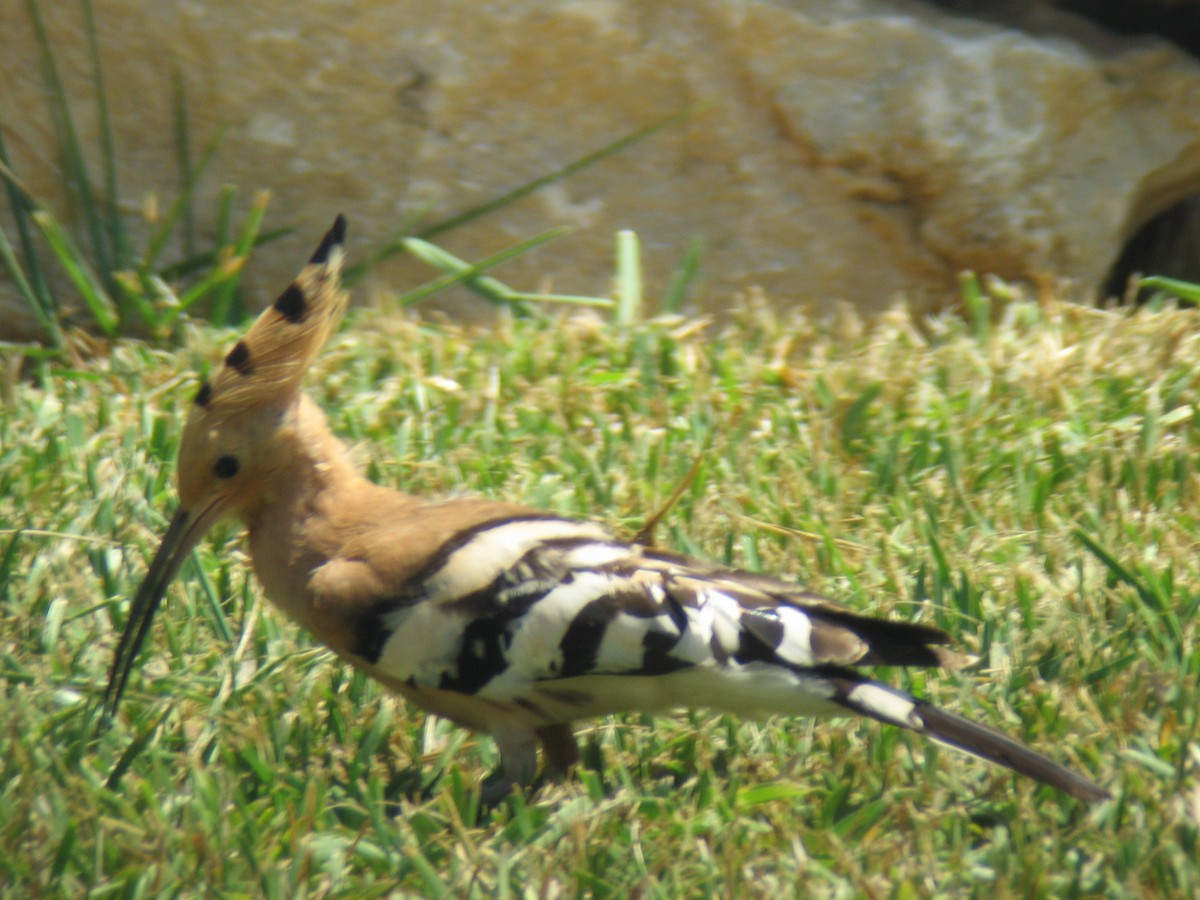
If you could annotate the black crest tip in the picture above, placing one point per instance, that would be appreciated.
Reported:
(239, 359)
(334, 237)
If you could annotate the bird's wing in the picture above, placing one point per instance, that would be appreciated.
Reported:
(509, 602)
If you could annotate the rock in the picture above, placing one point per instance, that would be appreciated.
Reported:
(860, 150)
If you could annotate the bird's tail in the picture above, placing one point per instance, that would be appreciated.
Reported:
(895, 707)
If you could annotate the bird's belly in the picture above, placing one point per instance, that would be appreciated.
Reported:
(473, 711)
(752, 691)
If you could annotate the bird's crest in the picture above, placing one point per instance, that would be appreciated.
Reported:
(270, 361)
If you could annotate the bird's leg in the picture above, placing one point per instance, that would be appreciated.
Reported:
(561, 751)
(518, 765)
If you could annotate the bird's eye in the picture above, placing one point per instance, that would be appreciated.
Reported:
(225, 467)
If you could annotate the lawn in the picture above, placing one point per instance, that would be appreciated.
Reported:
(1028, 484)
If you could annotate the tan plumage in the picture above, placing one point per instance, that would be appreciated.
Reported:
(271, 360)
(507, 620)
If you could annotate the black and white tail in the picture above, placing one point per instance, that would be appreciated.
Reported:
(885, 704)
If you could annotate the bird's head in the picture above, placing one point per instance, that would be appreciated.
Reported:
(231, 449)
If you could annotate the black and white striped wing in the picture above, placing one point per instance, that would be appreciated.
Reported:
(519, 604)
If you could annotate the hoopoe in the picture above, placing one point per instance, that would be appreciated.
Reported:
(508, 620)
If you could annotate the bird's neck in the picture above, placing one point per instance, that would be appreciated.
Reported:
(316, 503)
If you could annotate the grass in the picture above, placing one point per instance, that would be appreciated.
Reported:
(1029, 486)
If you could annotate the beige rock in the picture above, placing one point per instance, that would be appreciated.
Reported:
(859, 150)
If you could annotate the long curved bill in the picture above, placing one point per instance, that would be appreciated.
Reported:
(182, 536)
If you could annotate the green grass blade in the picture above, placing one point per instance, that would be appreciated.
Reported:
(73, 162)
(390, 248)
(118, 240)
(977, 305)
(20, 205)
(459, 271)
(44, 316)
(219, 278)
(158, 240)
(578, 165)
(135, 748)
(217, 616)
(770, 792)
(1117, 568)
(684, 277)
(629, 279)
(1184, 290)
(201, 261)
(857, 425)
(135, 296)
(225, 212)
(90, 287)
(225, 290)
(65, 849)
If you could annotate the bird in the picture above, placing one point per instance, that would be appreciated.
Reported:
(508, 620)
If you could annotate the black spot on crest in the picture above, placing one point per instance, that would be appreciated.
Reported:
(239, 359)
(204, 394)
(292, 304)
(333, 238)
